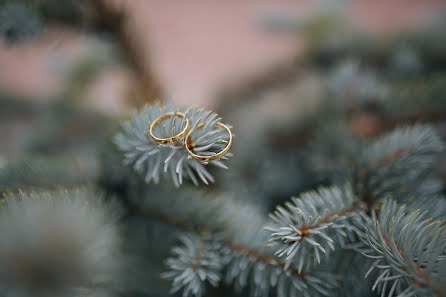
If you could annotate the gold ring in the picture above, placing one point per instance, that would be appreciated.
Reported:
(173, 138)
(188, 144)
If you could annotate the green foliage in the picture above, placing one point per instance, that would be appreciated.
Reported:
(197, 261)
(243, 270)
(423, 94)
(18, 23)
(408, 251)
(368, 199)
(21, 20)
(59, 243)
(312, 224)
(313, 240)
(41, 173)
(398, 165)
(152, 159)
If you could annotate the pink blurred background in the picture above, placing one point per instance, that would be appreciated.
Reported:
(191, 49)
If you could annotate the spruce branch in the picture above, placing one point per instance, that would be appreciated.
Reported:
(19, 22)
(313, 224)
(152, 159)
(251, 264)
(405, 147)
(246, 263)
(59, 243)
(262, 273)
(408, 251)
(421, 99)
(197, 260)
(303, 134)
(36, 173)
(432, 116)
(394, 163)
(350, 84)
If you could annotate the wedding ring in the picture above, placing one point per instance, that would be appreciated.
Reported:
(174, 138)
(189, 144)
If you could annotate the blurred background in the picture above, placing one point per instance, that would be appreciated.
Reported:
(279, 71)
(295, 78)
(109, 56)
(70, 69)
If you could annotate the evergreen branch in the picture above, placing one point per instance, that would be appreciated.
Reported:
(264, 273)
(115, 18)
(301, 135)
(312, 225)
(262, 267)
(59, 243)
(394, 163)
(408, 250)
(41, 173)
(164, 218)
(420, 100)
(152, 159)
(19, 22)
(198, 260)
(428, 198)
(432, 116)
(187, 226)
(415, 144)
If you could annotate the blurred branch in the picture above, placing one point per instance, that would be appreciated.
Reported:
(433, 116)
(380, 124)
(186, 226)
(113, 17)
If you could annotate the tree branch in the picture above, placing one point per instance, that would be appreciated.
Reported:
(186, 226)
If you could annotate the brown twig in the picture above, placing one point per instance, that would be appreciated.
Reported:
(420, 271)
(300, 137)
(246, 251)
(305, 228)
(116, 20)
(432, 116)
(186, 226)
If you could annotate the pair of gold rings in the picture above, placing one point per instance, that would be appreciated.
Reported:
(187, 142)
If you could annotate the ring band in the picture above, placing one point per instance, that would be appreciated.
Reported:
(213, 157)
(173, 138)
